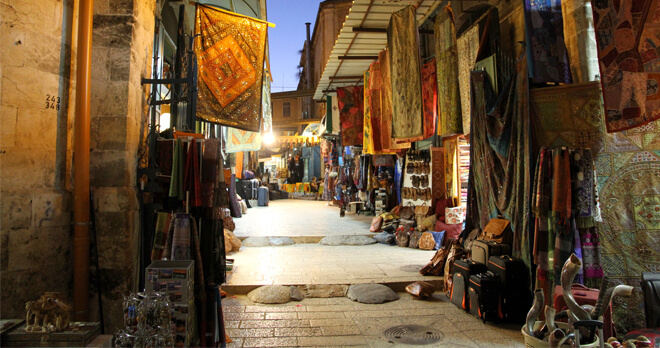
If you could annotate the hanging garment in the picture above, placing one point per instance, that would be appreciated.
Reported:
(176, 183)
(230, 56)
(191, 176)
(209, 175)
(375, 112)
(351, 114)
(546, 49)
(627, 41)
(447, 71)
(499, 175)
(386, 105)
(405, 75)
(241, 140)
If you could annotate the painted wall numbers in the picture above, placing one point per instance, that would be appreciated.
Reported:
(52, 102)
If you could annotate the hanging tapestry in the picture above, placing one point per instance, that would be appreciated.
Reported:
(569, 115)
(351, 114)
(578, 37)
(367, 136)
(191, 175)
(626, 32)
(180, 239)
(241, 140)
(386, 105)
(375, 85)
(438, 185)
(209, 172)
(447, 71)
(545, 42)
(230, 57)
(405, 75)
(468, 45)
(430, 98)
(499, 175)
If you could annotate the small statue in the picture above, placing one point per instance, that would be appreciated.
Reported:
(47, 314)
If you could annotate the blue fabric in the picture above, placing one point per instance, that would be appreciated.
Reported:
(397, 180)
(438, 237)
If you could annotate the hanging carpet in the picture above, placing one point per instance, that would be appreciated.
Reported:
(367, 132)
(241, 140)
(447, 72)
(351, 114)
(405, 75)
(468, 45)
(386, 105)
(230, 57)
(627, 35)
(430, 98)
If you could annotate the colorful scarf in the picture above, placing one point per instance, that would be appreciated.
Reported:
(591, 257)
(561, 189)
(163, 221)
(181, 237)
(191, 176)
(583, 187)
(209, 172)
(351, 114)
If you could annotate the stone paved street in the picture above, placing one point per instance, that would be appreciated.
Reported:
(337, 321)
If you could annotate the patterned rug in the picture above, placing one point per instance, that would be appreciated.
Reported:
(447, 72)
(627, 37)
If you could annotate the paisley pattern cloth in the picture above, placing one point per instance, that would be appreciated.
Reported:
(351, 114)
(446, 58)
(230, 57)
(627, 36)
(386, 105)
(500, 177)
(545, 42)
(405, 74)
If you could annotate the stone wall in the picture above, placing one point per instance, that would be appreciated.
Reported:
(36, 145)
(35, 148)
(121, 51)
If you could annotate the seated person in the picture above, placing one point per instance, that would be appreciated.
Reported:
(314, 185)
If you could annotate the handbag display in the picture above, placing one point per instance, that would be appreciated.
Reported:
(407, 212)
(376, 224)
(427, 223)
(498, 230)
(437, 264)
(426, 241)
(403, 236)
(415, 236)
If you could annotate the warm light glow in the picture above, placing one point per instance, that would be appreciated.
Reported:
(268, 138)
(164, 121)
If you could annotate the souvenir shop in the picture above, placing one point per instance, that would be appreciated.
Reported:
(483, 147)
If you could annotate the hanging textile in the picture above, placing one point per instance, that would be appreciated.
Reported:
(239, 157)
(176, 183)
(383, 160)
(375, 85)
(578, 37)
(191, 175)
(499, 175)
(351, 114)
(438, 185)
(386, 105)
(541, 207)
(430, 98)
(209, 174)
(180, 246)
(367, 134)
(230, 57)
(405, 75)
(447, 72)
(468, 47)
(626, 32)
(266, 107)
(241, 140)
(329, 124)
(234, 207)
(545, 42)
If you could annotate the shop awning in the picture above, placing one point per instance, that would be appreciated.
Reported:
(362, 36)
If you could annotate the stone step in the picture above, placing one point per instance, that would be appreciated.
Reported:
(304, 239)
(397, 286)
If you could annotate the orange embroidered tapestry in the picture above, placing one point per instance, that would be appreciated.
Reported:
(230, 60)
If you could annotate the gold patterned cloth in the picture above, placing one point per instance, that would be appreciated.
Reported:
(405, 75)
(468, 47)
(230, 60)
(386, 105)
(446, 58)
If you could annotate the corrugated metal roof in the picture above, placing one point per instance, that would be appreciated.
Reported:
(371, 14)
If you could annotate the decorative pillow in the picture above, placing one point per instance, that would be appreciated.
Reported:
(438, 237)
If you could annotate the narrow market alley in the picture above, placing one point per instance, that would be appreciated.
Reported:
(338, 321)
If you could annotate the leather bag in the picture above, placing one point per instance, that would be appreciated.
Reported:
(498, 230)
(376, 224)
(407, 212)
(426, 241)
(415, 236)
(403, 236)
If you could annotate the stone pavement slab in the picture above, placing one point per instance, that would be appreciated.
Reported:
(332, 322)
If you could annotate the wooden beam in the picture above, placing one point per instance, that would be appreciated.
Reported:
(357, 57)
(383, 30)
